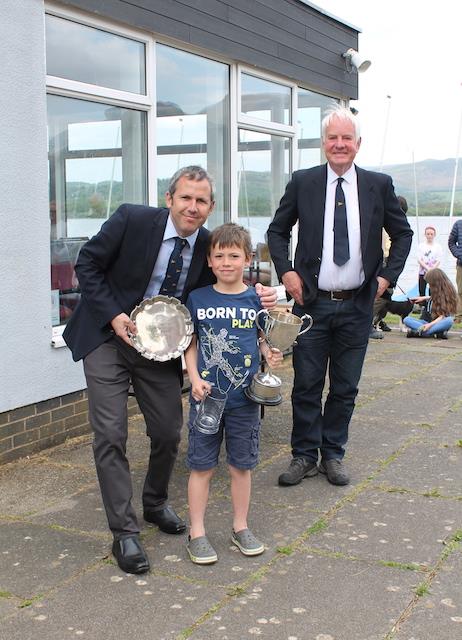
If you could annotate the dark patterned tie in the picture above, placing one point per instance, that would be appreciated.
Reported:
(175, 264)
(341, 244)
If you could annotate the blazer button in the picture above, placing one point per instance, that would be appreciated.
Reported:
(316, 276)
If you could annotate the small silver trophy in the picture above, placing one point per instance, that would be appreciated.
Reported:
(281, 328)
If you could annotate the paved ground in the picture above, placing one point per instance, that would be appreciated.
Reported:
(380, 559)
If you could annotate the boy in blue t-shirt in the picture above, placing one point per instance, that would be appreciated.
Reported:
(225, 353)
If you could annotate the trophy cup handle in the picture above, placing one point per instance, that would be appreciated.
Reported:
(265, 311)
(310, 323)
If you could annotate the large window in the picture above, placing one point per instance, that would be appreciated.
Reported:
(96, 162)
(310, 111)
(77, 52)
(192, 122)
(263, 172)
(250, 130)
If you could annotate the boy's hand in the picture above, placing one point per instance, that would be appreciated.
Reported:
(199, 388)
(268, 295)
(273, 357)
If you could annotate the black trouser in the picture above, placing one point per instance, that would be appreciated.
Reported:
(336, 344)
(108, 370)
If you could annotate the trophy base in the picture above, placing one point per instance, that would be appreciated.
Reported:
(268, 402)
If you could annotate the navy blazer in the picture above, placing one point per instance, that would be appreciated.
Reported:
(114, 269)
(304, 201)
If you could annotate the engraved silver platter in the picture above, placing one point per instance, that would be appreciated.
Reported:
(164, 328)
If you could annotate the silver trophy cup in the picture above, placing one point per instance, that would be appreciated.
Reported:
(281, 328)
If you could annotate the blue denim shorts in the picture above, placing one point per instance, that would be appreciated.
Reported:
(241, 429)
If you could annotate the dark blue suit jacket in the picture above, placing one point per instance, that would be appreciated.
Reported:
(304, 201)
(114, 268)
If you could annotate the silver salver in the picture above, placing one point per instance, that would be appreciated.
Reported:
(163, 328)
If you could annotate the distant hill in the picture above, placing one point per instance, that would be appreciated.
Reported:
(433, 179)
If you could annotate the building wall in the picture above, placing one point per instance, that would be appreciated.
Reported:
(287, 37)
(31, 369)
(42, 391)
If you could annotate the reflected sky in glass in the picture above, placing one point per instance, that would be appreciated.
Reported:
(77, 52)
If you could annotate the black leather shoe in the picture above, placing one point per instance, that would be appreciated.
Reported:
(335, 471)
(130, 555)
(166, 519)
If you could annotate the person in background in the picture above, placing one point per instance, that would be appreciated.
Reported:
(139, 252)
(439, 309)
(379, 326)
(429, 256)
(455, 247)
(337, 273)
(224, 354)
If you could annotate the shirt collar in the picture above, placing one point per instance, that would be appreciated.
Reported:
(171, 232)
(348, 176)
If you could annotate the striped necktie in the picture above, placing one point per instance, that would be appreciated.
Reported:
(175, 265)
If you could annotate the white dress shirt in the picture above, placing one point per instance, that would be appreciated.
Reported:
(351, 274)
(163, 257)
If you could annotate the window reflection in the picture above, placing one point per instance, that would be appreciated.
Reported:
(263, 172)
(86, 54)
(265, 100)
(193, 121)
(97, 160)
(311, 107)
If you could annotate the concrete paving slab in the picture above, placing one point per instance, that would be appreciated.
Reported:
(107, 604)
(35, 558)
(299, 599)
(387, 526)
(438, 613)
(448, 428)
(76, 452)
(426, 467)
(409, 402)
(82, 512)
(32, 485)
(8, 605)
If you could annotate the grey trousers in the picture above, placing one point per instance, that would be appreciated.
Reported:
(157, 386)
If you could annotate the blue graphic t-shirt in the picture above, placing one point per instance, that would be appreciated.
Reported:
(227, 339)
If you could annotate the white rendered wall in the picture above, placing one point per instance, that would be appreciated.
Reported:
(30, 369)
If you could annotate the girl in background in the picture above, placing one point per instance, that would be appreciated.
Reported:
(429, 257)
(440, 307)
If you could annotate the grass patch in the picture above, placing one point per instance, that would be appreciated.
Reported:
(422, 589)
(409, 566)
(5, 594)
(285, 551)
(432, 493)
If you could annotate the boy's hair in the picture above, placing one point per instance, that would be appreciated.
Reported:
(231, 234)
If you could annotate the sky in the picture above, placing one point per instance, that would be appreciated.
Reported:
(416, 54)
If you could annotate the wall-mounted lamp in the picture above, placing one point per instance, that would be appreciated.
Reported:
(355, 62)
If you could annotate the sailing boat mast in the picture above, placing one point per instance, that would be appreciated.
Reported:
(416, 199)
(456, 164)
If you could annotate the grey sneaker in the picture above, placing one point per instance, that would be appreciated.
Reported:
(247, 542)
(201, 551)
(335, 471)
(299, 468)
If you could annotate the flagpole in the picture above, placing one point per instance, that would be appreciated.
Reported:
(416, 199)
(456, 165)
(385, 133)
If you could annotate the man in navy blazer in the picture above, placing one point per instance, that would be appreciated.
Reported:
(336, 289)
(120, 266)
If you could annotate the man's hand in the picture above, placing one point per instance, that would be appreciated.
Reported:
(383, 285)
(268, 295)
(122, 325)
(294, 286)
